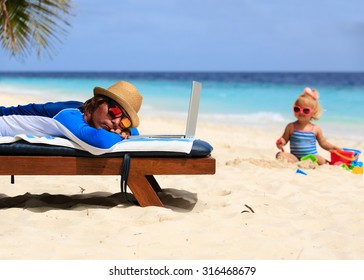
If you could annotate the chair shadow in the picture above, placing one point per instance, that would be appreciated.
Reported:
(45, 202)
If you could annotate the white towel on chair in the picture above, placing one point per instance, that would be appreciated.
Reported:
(183, 145)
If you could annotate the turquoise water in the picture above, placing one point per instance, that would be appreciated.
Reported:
(263, 99)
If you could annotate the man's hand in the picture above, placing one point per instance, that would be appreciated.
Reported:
(123, 133)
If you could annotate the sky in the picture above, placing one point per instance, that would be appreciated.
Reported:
(207, 35)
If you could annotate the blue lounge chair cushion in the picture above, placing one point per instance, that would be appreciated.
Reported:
(200, 148)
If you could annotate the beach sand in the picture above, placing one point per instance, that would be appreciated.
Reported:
(254, 207)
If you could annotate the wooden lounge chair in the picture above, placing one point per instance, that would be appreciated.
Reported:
(22, 158)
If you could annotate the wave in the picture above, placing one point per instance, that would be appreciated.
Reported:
(238, 119)
(252, 118)
(43, 93)
(21, 90)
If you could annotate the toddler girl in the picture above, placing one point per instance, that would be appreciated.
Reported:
(303, 134)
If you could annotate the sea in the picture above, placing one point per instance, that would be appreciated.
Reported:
(228, 98)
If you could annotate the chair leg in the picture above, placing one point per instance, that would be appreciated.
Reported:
(153, 182)
(143, 190)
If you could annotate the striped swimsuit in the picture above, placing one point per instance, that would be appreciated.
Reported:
(303, 143)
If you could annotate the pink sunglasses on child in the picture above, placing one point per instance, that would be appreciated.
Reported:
(304, 110)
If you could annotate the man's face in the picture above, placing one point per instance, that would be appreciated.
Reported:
(101, 118)
(105, 118)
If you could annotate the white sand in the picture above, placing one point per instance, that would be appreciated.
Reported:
(253, 208)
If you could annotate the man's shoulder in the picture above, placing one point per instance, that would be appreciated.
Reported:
(53, 108)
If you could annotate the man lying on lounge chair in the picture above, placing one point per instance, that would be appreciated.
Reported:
(102, 121)
(98, 126)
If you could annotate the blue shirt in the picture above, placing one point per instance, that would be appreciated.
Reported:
(58, 119)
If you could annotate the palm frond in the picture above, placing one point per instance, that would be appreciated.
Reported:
(33, 24)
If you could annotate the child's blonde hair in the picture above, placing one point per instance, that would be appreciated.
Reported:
(309, 97)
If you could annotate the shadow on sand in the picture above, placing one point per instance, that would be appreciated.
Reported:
(180, 201)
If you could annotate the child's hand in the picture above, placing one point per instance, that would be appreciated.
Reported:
(335, 148)
(280, 143)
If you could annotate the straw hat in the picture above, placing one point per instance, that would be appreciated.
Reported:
(127, 96)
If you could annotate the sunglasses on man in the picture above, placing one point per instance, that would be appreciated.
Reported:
(116, 112)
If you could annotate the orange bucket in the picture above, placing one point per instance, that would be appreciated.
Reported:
(343, 157)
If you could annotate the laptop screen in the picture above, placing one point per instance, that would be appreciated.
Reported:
(193, 109)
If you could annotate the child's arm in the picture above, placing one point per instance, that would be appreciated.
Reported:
(322, 140)
(285, 137)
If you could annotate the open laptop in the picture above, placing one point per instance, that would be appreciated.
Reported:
(191, 118)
